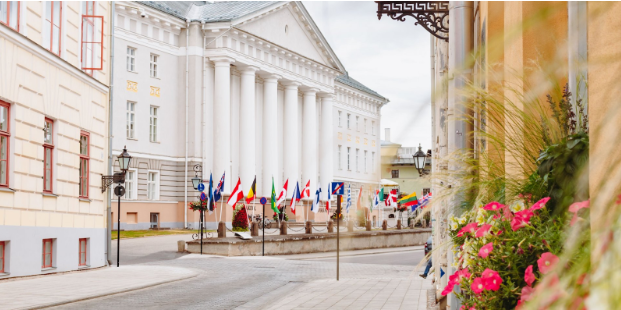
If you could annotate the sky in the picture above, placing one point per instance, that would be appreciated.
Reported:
(388, 56)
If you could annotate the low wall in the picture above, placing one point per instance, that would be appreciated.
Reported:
(311, 243)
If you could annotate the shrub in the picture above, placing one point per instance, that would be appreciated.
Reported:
(240, 219)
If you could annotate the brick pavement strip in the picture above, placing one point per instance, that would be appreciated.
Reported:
(274, 283)
(50, 290)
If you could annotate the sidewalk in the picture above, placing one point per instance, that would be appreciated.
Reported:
(60, 289)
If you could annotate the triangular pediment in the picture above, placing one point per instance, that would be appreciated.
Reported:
(289, 28)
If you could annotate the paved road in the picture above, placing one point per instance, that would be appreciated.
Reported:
(148, 249)
(410, 256)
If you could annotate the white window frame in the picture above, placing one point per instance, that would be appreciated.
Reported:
(357, 123)
(153, 194)
(153, 65)
(131, 192)
(348, 158)
(339, 157)
(357, 155)
(373, 128)
(366, 169)
(153, 124)
(365, 126)
(131, 59)
(130, 120)
(340, 123)
(348, 121)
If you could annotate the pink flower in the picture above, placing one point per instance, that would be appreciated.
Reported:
(483, 230)
(470, 228)
(539, 204)
(507, 213)
(521, 219)
(464, 274)
(486, 250)
(477, 285)
(527, 292)
(547, 262)
(493, 206)
(529, 276)
(499, 232)
(449, 286)
(574, 209)
(491, 280)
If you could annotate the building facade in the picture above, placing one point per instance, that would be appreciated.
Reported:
(54, 106)
(249, 89)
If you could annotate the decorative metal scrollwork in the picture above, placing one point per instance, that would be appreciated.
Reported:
(432, 15)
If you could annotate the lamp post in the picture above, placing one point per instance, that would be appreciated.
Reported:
(197, 183)
(119, 178)
(419, 160)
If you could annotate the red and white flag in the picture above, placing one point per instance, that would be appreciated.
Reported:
(392, 198)
(236, 195)
(306, 190)
(295, 197)
(283, 194)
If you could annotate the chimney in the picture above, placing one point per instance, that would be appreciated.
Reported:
(387, 134)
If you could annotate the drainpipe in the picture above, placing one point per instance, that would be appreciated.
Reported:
(110, 159)
(187, 76)
(203, 101)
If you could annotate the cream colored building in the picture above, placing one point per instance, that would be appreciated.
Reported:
(53, 135)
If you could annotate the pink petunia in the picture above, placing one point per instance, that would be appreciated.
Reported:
(464, 274)
(547, 262)
(493, 206)
(449, 288)
(506, 212)
(491, 280)
(529, 276)
(574, 207)
(470, 228)
(499, 232)
(527, 292)
(540, 204)
(483, 230)
(486, 250)
(477, 285)
(521, 219)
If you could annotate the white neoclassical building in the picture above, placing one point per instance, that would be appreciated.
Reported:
(243, 88)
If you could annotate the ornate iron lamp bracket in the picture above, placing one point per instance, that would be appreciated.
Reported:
(107, 180)
(432, 15)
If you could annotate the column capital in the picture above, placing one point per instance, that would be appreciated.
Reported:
(248, 69)
(222, 60)
(326, 96)
(270, 77)
(291, 85)
(311, 91)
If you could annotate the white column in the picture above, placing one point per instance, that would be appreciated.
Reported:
(291, 165)
(270, 133)
(221, 120)
(247, 170)
(326, 154)
(309, 140)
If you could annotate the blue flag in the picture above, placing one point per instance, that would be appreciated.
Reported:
(315, 206)
(348, 199)
(210, 204)
(217, 194)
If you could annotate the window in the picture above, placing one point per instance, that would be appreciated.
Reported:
(339, 158)
(48, 156)
(131, 59)
(357, 127)
(52, 26)
(348, 164)
(92, 38)
(340, 114)
(426, 191)
(2, 247)
(130, 184)
(131, 114)
(395, 174)
(357, 168)
(373, 161)
(4, 144)
(373, 128)
(9, 13)
(153, 124)
(348, 118)
(84, 163)
(365, 162)
(83, 243)
(365, 126)
(154, 220)
(132, 218)
(153, 185)
(48, 253)
(154, 59)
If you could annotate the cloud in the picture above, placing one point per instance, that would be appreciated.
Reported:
(388, 56)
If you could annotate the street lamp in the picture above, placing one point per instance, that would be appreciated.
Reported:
(119, 178)
(197, 183)
(419, 160)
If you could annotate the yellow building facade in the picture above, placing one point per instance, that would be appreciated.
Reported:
(54, 109)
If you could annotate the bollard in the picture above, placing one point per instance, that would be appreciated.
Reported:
(254, 229)
(385, 225)
(221, 230)
(350, 226)
(309, 227)
(331, 226)
(398, 224)
(180, 246)
(283, 228)
(368, 225)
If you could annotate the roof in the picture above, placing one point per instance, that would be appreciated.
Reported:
(387, 143)
(209, 12)
(349, 81)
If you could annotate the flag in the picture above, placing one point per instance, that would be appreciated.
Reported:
(392, 198)
(295, 197)
(236, 195)
(273, 200)
(252, 190)
(359, 197)
(217, 194)
(210, 199)
(283, 194)
(409, 199)
(306, 190)
(348, 199)
(376, 201)
(381, 194)
(329, 198)
(315, 206)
